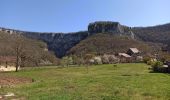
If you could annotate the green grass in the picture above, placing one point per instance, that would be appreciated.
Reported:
(102, 82)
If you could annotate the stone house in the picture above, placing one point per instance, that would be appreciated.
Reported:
(135, 54)
(124, 58)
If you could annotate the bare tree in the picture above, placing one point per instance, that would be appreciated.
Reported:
(18, 49)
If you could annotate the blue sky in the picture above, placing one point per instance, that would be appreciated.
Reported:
(75, 15)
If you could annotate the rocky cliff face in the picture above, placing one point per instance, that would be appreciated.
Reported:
(102, 27)
(110, 27)
(60, 43)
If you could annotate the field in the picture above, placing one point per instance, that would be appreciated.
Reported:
(101, 82)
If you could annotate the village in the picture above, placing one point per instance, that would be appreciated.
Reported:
(133, 55)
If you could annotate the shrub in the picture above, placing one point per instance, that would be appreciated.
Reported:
(97, 60)
(158, 67)
(66, 61)
(146, 59)
(150, 62)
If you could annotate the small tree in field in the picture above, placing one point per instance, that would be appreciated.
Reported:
(87, 58)
(70, 61)
(66, 61)
(18, 47)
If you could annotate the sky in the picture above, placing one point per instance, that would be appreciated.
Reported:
(75, 15)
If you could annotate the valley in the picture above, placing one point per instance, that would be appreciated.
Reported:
(108, 82)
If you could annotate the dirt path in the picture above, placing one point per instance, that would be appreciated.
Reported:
(11, 80)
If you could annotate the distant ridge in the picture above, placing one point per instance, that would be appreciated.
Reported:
(61, 43)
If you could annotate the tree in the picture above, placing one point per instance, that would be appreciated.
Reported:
(78, 59)
(158, 67)
(105, 59)
(18, 48)
(66, 61)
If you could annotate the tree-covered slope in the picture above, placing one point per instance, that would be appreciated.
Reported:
(30, 52)
(159, 34)
(108, 43)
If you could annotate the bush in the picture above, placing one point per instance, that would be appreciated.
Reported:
(97, 60)
(150, 62)
(158, 67)
(66, 61)
(146, 59)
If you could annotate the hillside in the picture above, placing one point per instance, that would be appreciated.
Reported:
(29, 51)
(108, 44)
(61, 43)
(159, 34)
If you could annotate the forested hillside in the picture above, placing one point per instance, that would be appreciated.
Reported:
(159, 34)
(29, 52)
(106, 43)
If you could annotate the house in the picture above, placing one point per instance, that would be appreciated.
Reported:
(9, 31)
(124, 55)
(124, 58)
(135, 54)
(133, 51)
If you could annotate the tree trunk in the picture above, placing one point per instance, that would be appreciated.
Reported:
(6, 64)
(17, 63)
(17, 60)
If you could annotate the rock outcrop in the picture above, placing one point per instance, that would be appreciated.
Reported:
(110, 27)
(102, 27)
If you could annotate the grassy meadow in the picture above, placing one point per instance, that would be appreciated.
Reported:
(100, 82)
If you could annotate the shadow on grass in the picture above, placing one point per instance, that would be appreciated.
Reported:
(159, 72)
